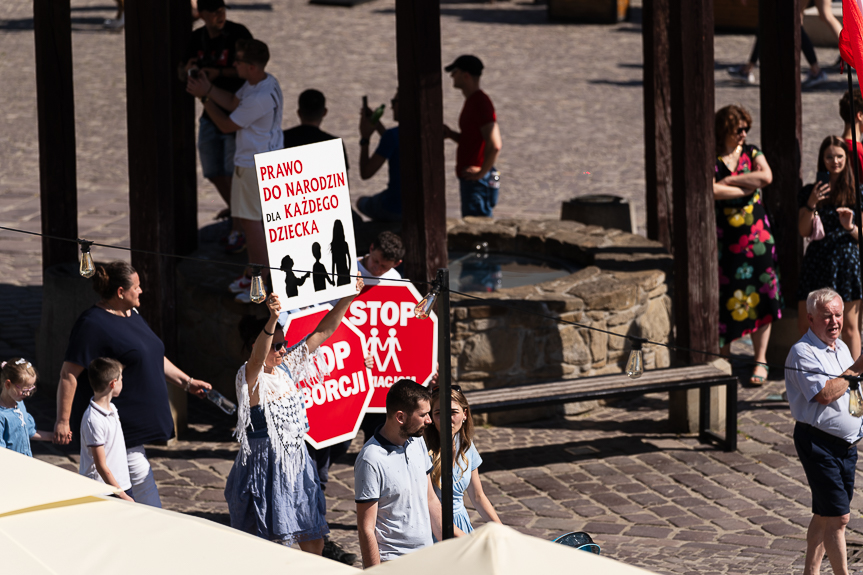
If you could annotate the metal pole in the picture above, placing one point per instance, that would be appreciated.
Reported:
(444, 373)
(855, 167)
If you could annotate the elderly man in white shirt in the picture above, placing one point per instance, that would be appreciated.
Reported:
(826, 434)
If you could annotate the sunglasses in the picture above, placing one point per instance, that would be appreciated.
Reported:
(27, 390)
(743, 129)
(278, 346)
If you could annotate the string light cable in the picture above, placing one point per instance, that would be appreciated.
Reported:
(257, 294)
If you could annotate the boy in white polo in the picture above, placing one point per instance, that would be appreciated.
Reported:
(103, 447)
(397, 509)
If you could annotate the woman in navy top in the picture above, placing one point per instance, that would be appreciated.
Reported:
(113, 328)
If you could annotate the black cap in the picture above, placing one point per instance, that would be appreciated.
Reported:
(210, 5)
(470, 64)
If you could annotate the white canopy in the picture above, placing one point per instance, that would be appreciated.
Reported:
(494, 549)
(60, 527)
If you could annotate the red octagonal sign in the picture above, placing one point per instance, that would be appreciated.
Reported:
(400, 345)
(335, 407)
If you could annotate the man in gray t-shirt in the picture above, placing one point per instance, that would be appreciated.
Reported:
(397, 510)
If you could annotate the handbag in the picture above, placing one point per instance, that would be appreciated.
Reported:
(817, 229)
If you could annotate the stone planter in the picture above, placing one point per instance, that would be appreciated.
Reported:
(496, 344)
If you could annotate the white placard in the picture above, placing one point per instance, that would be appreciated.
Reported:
(307, 222)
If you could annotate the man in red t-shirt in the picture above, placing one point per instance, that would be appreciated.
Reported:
(478, 141)
(845, 113)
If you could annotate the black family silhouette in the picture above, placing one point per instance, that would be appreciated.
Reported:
(292, 282)
(320, 277)
(341, 255)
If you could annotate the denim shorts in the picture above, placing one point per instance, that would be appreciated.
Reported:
(829, 468)
(478, 198)
(215, 149)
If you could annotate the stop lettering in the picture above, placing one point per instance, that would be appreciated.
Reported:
(400, 345)
(335, 407)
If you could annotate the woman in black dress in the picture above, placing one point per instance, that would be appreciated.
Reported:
(834, 260)
(749, 294)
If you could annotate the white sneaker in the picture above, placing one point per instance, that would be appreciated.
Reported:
(737, 73)
(240, 285)
(115, 23)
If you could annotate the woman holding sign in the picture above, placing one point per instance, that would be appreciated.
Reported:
(273, 490)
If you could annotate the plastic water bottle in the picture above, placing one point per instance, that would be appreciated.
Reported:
(222, 402)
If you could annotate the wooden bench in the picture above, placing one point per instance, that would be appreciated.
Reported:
(701, 377)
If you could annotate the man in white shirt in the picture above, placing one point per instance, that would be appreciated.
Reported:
(826, 434)
(256, 117)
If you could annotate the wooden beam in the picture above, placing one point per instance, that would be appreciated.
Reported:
(696, 281)
(418, 49)
(150, 81)
(55, 105)
(183, 138)
(657, 122)
(782, 133)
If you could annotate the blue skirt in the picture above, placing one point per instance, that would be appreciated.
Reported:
(263, 502)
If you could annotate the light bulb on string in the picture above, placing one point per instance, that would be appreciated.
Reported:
(257, 291)
(426, 305)
(635, 363)
(87, 268)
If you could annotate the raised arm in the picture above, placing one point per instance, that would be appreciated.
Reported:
(330, 322)
(65, 394)
(262, 345)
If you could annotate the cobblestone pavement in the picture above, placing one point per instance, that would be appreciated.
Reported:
(650, 497)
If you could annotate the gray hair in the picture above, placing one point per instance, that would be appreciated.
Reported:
(821, 297)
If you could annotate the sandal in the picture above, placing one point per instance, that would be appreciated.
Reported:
(758, 380)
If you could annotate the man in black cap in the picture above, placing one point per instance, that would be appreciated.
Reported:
(212, 50)
(479, 141)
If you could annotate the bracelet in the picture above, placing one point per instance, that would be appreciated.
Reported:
(209, 90)
(808, 208)
(268, 333)
(187, 385)
(364, 141)
(204, 99)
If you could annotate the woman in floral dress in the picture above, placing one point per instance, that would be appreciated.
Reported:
(834, 260)
(749, 294)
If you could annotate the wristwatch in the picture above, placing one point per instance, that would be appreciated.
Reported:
(204, 99)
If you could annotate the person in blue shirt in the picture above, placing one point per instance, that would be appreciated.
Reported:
(466, 461)
(385, 206)
(826, 434)
(17, 427)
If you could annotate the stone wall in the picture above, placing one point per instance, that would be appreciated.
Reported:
(501, 339)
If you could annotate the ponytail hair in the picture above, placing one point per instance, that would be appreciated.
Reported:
(17, 370)
(111, 277)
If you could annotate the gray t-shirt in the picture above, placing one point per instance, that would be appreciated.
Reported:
(396, 477)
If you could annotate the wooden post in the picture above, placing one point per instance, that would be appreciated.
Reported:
(150, 84)
(418, 50)
(183, 138)
(696, 281)
(782, 134)
(657, 122)
(55, 105)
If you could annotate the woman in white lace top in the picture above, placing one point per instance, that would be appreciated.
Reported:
(273, 489)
